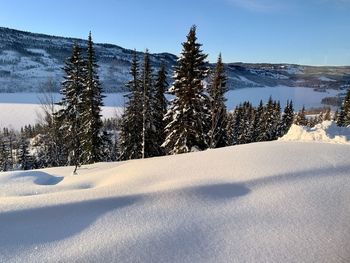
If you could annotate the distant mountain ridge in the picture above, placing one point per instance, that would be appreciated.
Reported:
(29, 61)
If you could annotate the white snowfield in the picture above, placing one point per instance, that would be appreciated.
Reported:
(263, 202)
(327, 131)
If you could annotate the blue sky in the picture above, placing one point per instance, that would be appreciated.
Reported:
(312, 32)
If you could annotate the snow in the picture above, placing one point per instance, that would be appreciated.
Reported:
(327, 131)
(262, 202)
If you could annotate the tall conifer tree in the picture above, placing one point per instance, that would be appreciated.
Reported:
(72, 107)
(92, 99)
(161, 85)
(287, 118)
(132, 119)
(343, 117)
(149, 133)
(188, 114)
(216, 89)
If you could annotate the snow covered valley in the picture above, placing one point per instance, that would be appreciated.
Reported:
(262, 202)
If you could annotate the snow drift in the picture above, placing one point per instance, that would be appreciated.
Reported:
(264, 202)
(327, 131)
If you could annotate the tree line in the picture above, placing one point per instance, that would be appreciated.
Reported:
(73, 133)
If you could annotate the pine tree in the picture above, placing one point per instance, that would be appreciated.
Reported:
(72, 106)
(160, 108)
(287, 118)
(4, 156)
(276, 120)
(267, 122)
(149, 133)
(92, 99)
(24, 159)
(258, 124)
(230, 128)
(217, 89)
(300, 118)
(326, 116)
(188, 114)
(132, 119)
(343, 119)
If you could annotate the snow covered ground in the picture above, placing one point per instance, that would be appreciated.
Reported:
(19, 115)
(262, 202)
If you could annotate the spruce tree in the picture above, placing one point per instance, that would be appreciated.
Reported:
(343, 119)
(230, 128)
(287, 118)
(132, 119)
(149, 133)
(188, 114)
(326, 116)
(218, 119)
(276, 121)
(267, 122)
(24, 159)
(92, 99)
(160, 108)
(72, 107)
(4, 156)
(258, 124)
(237, 121)
(300, 118)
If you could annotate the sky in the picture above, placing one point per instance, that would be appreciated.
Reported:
(308, 32)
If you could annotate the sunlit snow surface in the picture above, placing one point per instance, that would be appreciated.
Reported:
(263, 202)
(18, 109)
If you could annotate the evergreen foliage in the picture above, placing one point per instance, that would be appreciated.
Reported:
(72, 106)
(216, 89)
(287, 118)
(160, 108)
(91, 96)
(188, 116)
(149, 132)
(132, 119)
(24, 159)
(300, 118)
(343, 117)
(256, 124)
(4, 156)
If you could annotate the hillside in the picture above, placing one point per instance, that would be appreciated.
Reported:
(264, 202)
(28, 62)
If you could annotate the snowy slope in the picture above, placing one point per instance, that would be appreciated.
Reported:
(265, 202)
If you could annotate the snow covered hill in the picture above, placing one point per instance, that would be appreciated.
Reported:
(29, 61)
(263, 202)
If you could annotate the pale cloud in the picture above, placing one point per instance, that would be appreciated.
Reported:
(261, 5)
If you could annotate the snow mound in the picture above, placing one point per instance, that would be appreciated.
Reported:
(327, 132)
(25, 183)
(261, 202)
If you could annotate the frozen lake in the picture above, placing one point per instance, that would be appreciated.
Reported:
(19, 109)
